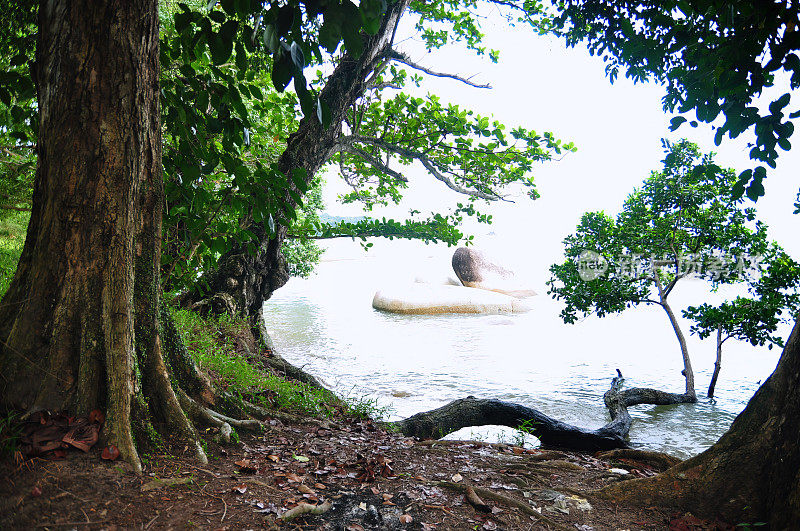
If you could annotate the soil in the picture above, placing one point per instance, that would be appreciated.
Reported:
(373, 479)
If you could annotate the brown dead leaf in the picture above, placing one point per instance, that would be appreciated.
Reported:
(110, 453)
(36, 492)
(305, 489)
(294, 478)
(456, 477)
(405, 518)
(241, 489)
(320, 486)
(387, 496)
(274, 458)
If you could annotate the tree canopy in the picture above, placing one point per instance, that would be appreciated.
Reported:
(715, 59)
(682, 222)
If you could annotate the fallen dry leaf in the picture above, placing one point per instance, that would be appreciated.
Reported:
(456, 477)
(273, 458)
(36, 492)
(241, 489)
(305, 489)
(110, 453)
(405, 518)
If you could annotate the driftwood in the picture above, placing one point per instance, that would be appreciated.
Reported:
(472, 411)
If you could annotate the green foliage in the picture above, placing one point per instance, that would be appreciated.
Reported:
(224, 129)
(212, 343)
(715, 58)
(773, 299)
(471, 154)
(682, 222)
(12, 238)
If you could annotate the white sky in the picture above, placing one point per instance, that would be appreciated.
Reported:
(542, 85)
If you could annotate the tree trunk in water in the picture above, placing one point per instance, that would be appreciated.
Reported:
(688, 373)
(79, 321)
(243, 282)
(752, 474)
(717, 364)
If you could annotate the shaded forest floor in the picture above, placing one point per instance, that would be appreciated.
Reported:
(320, 451)
(373, 479)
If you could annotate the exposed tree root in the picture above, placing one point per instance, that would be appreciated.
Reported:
(657, 460)
(209, 417)
(505, 500)
(473, 411)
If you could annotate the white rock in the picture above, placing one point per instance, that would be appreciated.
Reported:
(419, 298)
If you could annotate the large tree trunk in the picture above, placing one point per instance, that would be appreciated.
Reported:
(242, 282)
(79, 321)
(752, 474)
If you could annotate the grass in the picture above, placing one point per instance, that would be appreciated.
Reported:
(212, 342)
(12, 237)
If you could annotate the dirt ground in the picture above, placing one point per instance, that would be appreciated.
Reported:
(365, 477)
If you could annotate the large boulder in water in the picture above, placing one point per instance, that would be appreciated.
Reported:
(475, 270)
(418, 298)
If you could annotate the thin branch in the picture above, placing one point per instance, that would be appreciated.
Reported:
(18, 209)
(353, 150)
(400, 57)
(425, 161)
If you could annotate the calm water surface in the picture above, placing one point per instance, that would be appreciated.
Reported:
(326, 324)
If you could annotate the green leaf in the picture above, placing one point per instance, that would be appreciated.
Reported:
(296, 54)
(221, 49)
(217, 16)
(299, 179)
(281, 71)
(271, 38)
(371, 15)
(323, 113)
(330, 34)
(351, 27)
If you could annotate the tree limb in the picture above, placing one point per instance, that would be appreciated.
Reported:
(423, 159)
(473, 411)
(401, 57)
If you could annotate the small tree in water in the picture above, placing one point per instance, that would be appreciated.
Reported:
(773, 300)
(683, 222)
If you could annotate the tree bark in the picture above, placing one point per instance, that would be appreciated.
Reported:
(752, 474)
(717, 364)
(472, 411)
(79, 323)
(688, 373)
(249, 280)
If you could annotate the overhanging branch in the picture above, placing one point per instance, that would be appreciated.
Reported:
(347, 141)
(400, 57)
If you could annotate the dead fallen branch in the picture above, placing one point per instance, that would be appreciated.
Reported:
(472, 411)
